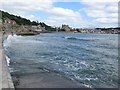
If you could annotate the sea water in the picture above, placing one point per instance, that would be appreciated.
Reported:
(91, 59)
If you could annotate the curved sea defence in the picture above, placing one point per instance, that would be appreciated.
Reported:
(5, 77)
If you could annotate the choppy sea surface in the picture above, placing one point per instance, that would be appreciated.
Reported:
(91, 59)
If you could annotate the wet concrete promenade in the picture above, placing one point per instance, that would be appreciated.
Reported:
(5, 77)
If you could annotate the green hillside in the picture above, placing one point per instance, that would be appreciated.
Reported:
(23, 21)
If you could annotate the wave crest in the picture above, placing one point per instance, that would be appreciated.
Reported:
(81, 39)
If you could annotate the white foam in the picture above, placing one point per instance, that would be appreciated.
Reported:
(18, 39)
(8, 63)
(86, 85)
(68, 37)
(89, 79)
(11, 70)
(10, 37)
(8, 60)
(9, 40)
(84, 63)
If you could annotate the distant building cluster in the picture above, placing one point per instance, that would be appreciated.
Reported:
(67, 28)
(108, 30)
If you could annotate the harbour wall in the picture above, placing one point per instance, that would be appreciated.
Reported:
(5, 77)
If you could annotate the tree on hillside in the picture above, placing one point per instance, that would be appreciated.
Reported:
(23, 21)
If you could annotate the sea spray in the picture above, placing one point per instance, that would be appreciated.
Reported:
(7, 41)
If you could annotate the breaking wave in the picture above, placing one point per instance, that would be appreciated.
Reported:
(81, 39)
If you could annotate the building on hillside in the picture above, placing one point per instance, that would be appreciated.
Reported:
(13, 22)
(66, 28)
(87, 30)
(8, 21)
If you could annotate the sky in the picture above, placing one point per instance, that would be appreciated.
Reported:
(75, 13)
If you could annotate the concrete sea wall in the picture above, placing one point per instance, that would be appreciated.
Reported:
(5, 77)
